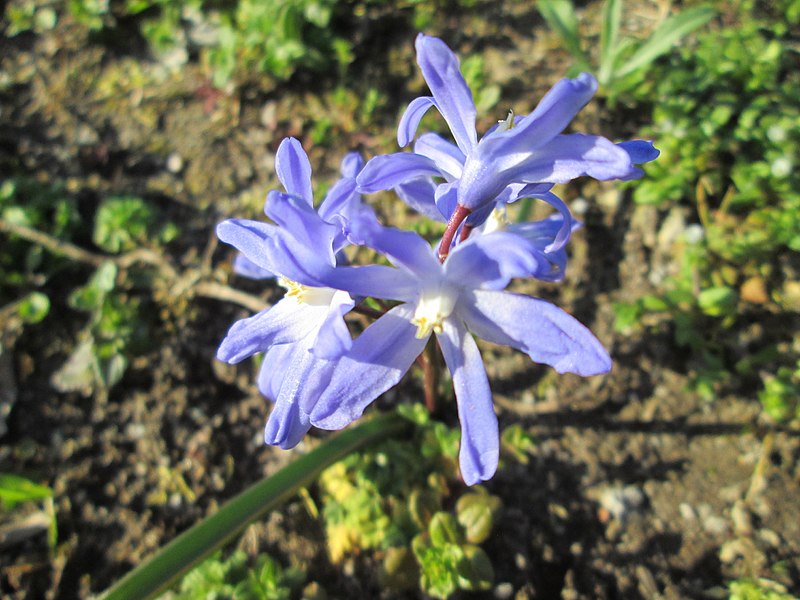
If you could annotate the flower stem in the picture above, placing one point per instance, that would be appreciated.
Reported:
(430, 373)
(458, 216)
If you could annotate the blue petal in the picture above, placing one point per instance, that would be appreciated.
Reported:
(286, 322)
(286, 425)
(446, 198)
(419, 195)
(247, 268)
(352, 163)
(386, 171)
(480, 442)
(440, 67)
(377, 281)
(546, 333)
(333, 338)
(640, 151)
(411, 118)
(562, 237)
(377, 361)
(305, 381)
(294, 170)
(566, 157)
(556, 110)
(251, 238)
(447, 156)
(275, 365)
(489, 261)
(405, 249)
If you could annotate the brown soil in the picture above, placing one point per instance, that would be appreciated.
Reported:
(637, 488)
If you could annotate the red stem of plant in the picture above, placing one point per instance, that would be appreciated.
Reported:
(458, 216)
(465, 231)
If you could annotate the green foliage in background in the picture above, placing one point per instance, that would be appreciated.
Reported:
(48, 208)
(241, 578)
(398, 499)
(618, 57)
(48, 225)
(16, 491)
(727, 121)
(761, 589)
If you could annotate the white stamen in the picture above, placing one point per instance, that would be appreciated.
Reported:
(497, 221)
(432, 310)
(304, 294)
(506, 123)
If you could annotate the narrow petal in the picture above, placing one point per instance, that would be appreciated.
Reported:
(490, 261)
(286, 425)
(304, 382)
(480, 441)
(411, 118)
(274, 366)
(440, 67)
(447, 156)
(640, 151)
(562, 236)
(377, 361)
(352, 163)
(546, 333)
(386, 171)
(294, 170)
(446, 198)
(247, 268)
(376, 281)
(251, 238)
(569, 156)
(419, 194)
(287, 321)
(333, 338)
(405, 249)
(556, 110)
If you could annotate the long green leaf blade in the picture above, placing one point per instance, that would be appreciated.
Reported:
(198, 542)
(609, 35)
(669, 32)
(560, 16)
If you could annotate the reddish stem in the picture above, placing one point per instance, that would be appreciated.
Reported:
(465, 231)
(430, 374)
(458, 216)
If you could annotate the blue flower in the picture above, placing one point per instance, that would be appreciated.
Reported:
(304, 331)
(523, 150)
(450, 300)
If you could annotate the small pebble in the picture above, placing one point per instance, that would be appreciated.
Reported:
(174, 163)
(503, 591)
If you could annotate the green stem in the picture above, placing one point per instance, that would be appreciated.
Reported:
(196, 543)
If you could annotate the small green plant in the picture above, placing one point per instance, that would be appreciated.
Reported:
(391, 500)
(761, 589)
(781, 394)
(16, 490)
(241, 578)
(619, 57)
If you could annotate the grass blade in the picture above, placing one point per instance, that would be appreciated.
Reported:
(609, 35)
(198, 542)
(560, 16)
(669, 32)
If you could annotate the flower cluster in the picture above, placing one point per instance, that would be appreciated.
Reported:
(313, 370)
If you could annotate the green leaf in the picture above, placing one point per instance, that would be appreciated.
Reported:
(476, 512)
(15, 489)
(444, 529)
(717, 301)
(475, 569)
(34, 307)
(668, 33)
(560, 16)
(609, 34)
